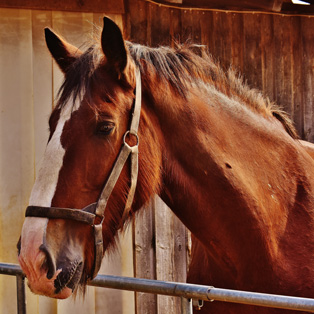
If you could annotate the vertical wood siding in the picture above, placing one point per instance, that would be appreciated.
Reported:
(274, 53)
(16, 151)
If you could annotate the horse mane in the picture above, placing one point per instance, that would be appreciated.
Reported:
(181, 66)
(191, 64)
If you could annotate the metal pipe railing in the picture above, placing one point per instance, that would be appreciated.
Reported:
(206, 293)
(15, 270)
(187, 292)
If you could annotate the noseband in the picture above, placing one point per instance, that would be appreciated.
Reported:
(94, 214)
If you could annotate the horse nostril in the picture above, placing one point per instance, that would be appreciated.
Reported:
(48, 264)
(18, 246)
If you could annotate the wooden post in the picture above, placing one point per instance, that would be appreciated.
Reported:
(144, 257)
(160, 252)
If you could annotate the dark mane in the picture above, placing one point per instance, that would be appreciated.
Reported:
(186, 64)
(180, 66)
(78, 79)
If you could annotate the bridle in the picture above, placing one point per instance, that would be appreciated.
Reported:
(94, 214)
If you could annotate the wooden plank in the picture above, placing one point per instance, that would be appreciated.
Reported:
(109, 301)
(175, 26)
(296, 80)
(252, 49)
(267, 55)
(171, 258)
(236, 26)
(16, 141)
(218, 46)
(117, 262)
(206, 24)
(285, 54)
(42, 86)
(190, 26)
(223, 26)
(145, 257)
(149, 24)
(127, 269)
(307, 37)
(116, 6)
(159, 21)
(197, 33)
(283, 64)
(279, 61)
(137, 21)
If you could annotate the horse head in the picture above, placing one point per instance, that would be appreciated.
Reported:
(89, 129)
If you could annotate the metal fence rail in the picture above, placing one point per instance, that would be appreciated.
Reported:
(15, 270)
(187, 292)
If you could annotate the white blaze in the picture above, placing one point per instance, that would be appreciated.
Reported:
(43, 192)
(47, 179)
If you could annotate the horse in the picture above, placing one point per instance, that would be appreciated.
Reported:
(226, 160)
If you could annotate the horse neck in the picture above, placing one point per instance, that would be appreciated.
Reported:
(225, 174)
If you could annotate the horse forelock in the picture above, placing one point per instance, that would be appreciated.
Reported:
(77, 80)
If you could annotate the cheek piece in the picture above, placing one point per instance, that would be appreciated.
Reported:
(96, 211)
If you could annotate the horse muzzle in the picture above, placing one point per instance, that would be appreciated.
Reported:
(53, 265)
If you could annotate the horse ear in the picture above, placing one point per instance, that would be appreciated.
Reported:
(64, 53)
(113, 46)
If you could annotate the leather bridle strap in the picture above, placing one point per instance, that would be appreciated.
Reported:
(86, 215)
(125, 152)
(89, 214)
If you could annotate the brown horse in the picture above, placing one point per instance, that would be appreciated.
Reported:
(225, 160)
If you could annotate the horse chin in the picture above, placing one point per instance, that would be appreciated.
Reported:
(64, 294)
(67, 281)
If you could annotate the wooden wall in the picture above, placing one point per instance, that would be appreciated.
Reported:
(274, 52)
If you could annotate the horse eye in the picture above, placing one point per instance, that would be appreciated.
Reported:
(105, 128)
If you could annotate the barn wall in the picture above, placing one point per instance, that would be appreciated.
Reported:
(274, 52)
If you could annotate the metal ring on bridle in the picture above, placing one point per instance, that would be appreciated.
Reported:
(134, 134)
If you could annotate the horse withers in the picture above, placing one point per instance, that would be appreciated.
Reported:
(223, 157)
